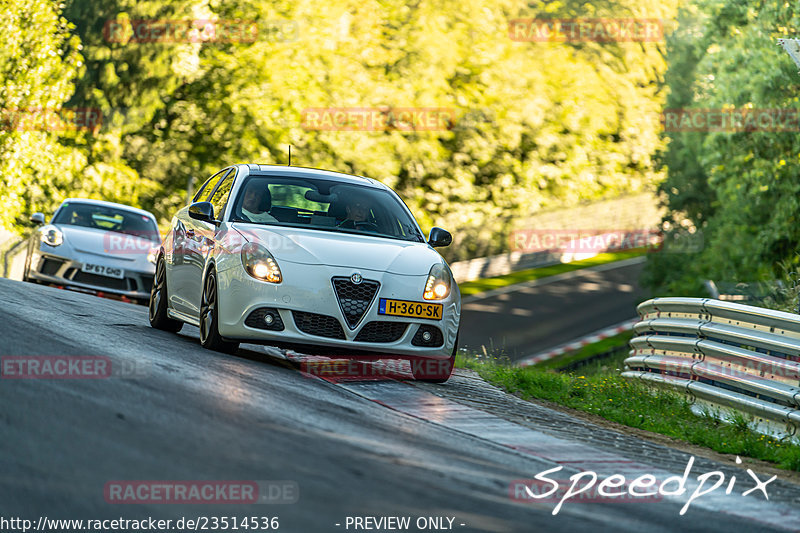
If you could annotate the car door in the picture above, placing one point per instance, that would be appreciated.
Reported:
(204, 237)
(184, 250)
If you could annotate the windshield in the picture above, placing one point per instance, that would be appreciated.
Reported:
(324, 205)
(107, 218)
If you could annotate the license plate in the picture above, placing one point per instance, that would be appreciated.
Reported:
(101, 270)
(410, 309)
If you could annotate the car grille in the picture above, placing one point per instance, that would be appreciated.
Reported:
(320, 325)
(436, 338)
(354, 300)
(50, 266)
(381, 332)
(100, 281)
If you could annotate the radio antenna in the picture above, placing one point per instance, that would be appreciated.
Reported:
(290, 155)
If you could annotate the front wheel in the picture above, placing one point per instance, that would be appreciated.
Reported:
(209, 318)
(157, 306)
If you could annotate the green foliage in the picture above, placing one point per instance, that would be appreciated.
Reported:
(36, 78)
(535, 124)
(739, 188)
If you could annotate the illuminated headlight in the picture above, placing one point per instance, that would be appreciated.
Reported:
(152, 255)
(260, 264)
(438, 284)
(52, 236)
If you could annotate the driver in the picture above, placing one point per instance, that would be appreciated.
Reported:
(358, 210)
(256, 203)
(81, 218)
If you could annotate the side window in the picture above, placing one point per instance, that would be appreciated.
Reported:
(220, 197)
(205, 191)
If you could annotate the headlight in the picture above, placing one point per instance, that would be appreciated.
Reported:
(52, 235)
(260, 264)
(152, 254)
(438, 285)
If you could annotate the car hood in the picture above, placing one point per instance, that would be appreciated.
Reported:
(315, 247)
(107, 243)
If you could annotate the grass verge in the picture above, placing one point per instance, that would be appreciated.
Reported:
(633, 404)
(469, 288)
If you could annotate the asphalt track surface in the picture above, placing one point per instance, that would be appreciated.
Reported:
(524, 319)
(353, 449)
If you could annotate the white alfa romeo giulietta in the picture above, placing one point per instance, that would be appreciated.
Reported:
(308, 258)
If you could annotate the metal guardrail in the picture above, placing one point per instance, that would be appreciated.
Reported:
(722, 354)
(9, 251)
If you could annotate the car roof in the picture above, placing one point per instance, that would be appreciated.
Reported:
(109, 204)
(306, 172)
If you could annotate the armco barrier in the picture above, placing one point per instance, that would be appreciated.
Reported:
(12, 254)
(724, 354)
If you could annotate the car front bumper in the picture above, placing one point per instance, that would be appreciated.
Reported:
(307, 290)
(64, 271)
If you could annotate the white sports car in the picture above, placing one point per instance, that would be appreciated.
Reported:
(97, 247)
(292, 256)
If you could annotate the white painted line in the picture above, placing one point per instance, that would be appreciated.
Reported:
(578, 343)
(553, 279)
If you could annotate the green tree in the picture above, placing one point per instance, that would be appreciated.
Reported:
(739, 188)
(38, 61)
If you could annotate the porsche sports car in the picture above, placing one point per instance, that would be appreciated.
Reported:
(293, 256)
(97, 247)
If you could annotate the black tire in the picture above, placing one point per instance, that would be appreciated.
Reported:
(441, 371)
(209, 309)
(157, 306)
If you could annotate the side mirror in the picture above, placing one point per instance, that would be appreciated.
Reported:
(439, 237)
(204, 212)
(37, 218)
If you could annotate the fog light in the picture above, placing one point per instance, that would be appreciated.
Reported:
(265, 318)
(426, 336)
